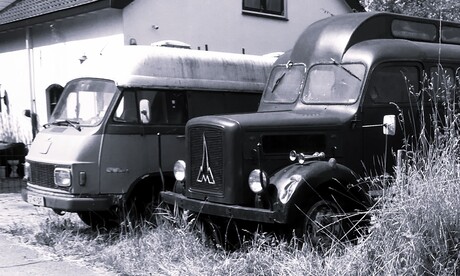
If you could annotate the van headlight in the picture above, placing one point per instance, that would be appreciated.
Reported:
(62, 177)
(179, 170)
(257, 181)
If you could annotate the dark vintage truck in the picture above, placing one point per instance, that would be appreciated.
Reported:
(335, 110)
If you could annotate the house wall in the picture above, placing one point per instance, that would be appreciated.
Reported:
(222, 25)
(54, 58)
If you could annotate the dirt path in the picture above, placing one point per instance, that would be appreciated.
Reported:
(17, 256)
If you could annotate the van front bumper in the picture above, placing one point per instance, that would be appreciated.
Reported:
(222, 210)
(67, 202)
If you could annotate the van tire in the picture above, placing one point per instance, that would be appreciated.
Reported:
(99, 220)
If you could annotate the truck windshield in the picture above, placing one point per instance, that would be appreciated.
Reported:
(84, 102)
(333, 84)
(285, 83)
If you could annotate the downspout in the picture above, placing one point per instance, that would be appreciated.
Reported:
(30, 57)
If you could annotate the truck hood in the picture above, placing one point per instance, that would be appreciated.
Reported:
(313, 116)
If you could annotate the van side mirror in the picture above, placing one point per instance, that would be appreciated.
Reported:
(389, 125)
(144, 106)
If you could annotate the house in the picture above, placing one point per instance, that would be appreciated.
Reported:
(43, 42)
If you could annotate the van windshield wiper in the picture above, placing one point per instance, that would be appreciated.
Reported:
(65, 122)
(345, 69)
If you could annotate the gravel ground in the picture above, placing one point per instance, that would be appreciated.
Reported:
(17, 256)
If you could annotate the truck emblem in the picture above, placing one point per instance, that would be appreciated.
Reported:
(205, 173)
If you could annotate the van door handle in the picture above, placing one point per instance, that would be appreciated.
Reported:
(180, 136)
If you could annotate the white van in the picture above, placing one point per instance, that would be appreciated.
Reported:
(116, 132)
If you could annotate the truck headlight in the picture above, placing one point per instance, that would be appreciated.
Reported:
(257, 181)
(62, 177)
(179, 170)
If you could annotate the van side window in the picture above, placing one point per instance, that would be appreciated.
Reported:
(126, 111)
(394, 83)
(162, 107)
(203, 103)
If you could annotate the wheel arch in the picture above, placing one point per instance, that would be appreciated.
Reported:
(149, 186)
(319, 179)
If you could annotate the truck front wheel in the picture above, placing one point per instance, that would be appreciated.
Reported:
(322, 224)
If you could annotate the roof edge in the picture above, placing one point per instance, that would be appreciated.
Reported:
(86, 8)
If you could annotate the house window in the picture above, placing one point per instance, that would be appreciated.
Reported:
(265, 7)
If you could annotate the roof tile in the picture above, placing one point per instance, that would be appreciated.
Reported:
(25, 9)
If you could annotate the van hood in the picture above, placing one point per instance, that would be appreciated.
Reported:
(65, 145)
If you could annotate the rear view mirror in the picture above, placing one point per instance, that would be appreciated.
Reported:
(389, 125)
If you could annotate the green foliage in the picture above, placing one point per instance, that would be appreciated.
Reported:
(436, 9)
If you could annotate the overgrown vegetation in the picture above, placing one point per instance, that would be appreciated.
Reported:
(446, 9)
(11, 130)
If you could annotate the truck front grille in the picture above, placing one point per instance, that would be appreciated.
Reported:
(206, 160)
(43, 175)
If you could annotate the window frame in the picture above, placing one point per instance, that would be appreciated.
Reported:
(264, 12)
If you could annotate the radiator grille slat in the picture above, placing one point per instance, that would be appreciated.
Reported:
(43, 175)
(212, 164)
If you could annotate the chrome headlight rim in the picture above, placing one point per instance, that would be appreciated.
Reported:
(254, 181)
(63, 177)
(179, 170)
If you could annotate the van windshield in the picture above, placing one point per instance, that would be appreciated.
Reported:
(84, 102)
(333, 84)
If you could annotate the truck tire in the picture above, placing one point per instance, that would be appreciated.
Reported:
(322, 224)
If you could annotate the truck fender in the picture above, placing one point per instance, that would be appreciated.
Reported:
(298, 184)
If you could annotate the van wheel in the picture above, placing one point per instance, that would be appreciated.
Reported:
(100, 219)
(129, 215)
(322, 224)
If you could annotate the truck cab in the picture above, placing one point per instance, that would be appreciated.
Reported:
(335, 110)
(118, 128)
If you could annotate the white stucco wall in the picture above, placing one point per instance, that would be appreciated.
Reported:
(221, 24)
(56, 49)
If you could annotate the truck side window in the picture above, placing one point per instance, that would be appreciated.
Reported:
(126, 111)
(204, 103)
(176, 107)
(394, 83)
(163, 107)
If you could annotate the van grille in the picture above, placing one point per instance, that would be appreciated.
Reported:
(208, 180)
(42, 174)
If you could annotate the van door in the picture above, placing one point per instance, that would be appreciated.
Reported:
(163, 115)
(124, 151)
(131, 144)
(392, 89)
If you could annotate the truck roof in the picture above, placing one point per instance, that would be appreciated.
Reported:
(332, 37)
(163, 67)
